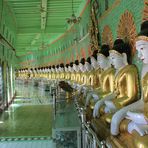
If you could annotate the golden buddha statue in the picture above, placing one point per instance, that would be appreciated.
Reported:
(106, 78)
(126, 87)
(53, 72)
(57, 72)
(72, 74)
(77, 74)
(49, 73)
(96, 71)
(46, 72)
(82, 81)
(82, 67)
(67, 73)
(131, 122)
(61, 69)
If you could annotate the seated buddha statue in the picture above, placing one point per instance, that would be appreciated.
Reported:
(73, 73)
(125, 83)
(77, 74)
(57, 74)
(83, 75)
(134, 117)
(97, 76)
(85, 67)
(106, 81)
(83, 81)
(61, 70)
(53, 72)
(67, 72)
(44, 72)
(125, 74)
(49, 73)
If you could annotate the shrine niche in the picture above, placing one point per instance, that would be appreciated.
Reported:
(107, 36)
(127, 29)
(93, 30)
(145, 11)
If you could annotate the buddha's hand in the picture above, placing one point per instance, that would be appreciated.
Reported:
(140, 128)
(88, 97)
(96, 109)
(138, 118)
(85, 90)
(110, 107)
(95, 96)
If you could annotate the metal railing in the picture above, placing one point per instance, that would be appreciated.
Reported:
(89, 137)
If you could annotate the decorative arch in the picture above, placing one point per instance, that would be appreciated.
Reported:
(145, 11)
(107, 36)
(127, 29)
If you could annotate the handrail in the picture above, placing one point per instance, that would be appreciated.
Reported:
(92, 133)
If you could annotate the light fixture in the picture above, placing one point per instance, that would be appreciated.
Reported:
(73, 19)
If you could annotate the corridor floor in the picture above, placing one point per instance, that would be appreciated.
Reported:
(28, 121)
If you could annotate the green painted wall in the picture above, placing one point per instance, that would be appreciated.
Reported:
(8, 30)
(136, 8)
(67, 49)
(8, 58)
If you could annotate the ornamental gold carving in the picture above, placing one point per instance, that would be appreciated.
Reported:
(107, 36)
(127, 29)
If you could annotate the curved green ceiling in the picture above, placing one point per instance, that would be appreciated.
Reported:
(39, 22)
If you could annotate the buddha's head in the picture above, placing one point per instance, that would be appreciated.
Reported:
(49, 69)
(70, 67)
(142, 43)
(76, 66)
(44, 70)
(53, 68)
(57, 68)
(61, 67)
(120, 54)
(66, 67)
(81, 65)
(41, 70)
(88, 64)
(102, 56)
(93, 59)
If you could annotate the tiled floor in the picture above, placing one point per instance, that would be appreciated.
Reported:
(26, 144)
(29, 121)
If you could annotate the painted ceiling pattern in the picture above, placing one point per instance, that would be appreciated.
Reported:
(39, 22)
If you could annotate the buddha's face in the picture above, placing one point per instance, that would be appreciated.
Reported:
(82, 67)
(75, 67)
(61, 69)
(56, 69)
(69, 68)
(116, 59)
(88, 66)
(45, 70)
(102, 61)
(66, 69)
(52, 69)
(49, 70)
(142, 48)
(94, 62)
